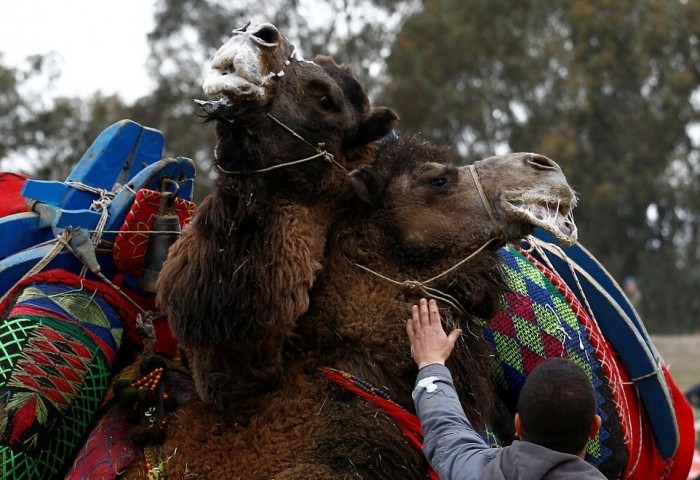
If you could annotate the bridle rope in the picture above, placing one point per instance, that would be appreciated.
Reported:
(485, 202)
(423, 285)
(321, 152)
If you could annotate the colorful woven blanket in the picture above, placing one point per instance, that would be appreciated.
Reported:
(536, 322)
(542, 318)
(59, 334)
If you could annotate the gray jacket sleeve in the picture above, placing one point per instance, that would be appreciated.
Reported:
(453, 448)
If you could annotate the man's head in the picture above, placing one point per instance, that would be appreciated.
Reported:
(556, 407)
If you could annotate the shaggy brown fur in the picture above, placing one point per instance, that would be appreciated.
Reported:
(238, 278)
(422, 216)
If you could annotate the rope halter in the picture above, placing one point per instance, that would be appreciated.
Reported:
(485, 201)
(321, 152)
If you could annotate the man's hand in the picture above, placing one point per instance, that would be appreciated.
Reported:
(429, 343)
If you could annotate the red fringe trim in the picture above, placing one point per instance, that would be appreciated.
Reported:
(405, 420)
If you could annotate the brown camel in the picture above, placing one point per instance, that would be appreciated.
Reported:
(420, 226)
(237, 280)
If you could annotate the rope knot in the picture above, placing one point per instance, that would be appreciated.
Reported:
(414, 285)
(144, 325)
(104, 200)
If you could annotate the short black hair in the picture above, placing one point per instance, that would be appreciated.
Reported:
(557, 405)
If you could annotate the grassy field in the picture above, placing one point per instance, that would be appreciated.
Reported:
(682, 355)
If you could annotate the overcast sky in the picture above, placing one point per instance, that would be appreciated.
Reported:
(101, 44)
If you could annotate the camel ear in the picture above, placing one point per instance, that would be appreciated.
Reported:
(380, 121)
(368, 184)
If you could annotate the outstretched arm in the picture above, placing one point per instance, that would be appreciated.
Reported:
(450, 443)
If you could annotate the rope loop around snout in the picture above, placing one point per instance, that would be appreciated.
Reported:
(485, 201)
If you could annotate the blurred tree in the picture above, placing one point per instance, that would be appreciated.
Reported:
(11, 104)
(65, 131)
(19, 103)
(603, 87)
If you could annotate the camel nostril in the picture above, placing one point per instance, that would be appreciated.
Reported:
(267, 33)
(540, 161)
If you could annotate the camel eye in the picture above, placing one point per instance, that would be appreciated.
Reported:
(326, 103)
(438, 182)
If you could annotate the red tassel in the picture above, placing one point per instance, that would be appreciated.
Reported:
(24, 418)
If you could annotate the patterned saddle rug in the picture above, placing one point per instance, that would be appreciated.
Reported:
(59, 335)
(541, 318)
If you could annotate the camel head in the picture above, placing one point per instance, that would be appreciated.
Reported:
(431, 208)
(422, 226)
(272, 108)
(529, 190)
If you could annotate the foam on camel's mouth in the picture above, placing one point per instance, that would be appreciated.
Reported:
(228, 88)
(226, 80)
(231, 92)
(553, 215)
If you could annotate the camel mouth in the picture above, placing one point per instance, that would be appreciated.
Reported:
(229, 81)
(553, 215)
(230, 92)
(216, 108)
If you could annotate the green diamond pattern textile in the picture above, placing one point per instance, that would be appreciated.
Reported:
(534, 322)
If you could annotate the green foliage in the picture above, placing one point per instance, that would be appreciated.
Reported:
(47, 137)
(10, 104)
(18, 103)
